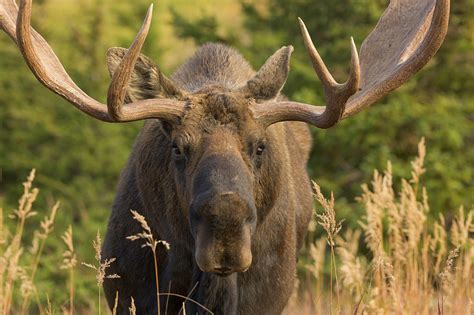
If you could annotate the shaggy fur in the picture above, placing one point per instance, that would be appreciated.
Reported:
(217, 140)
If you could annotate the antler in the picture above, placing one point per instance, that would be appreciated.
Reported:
(47, 68)
(408, 34)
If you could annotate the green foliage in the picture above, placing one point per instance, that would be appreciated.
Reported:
(206, 30)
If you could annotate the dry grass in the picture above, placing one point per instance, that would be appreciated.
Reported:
(408, 268)
(12, 272)
(69, 263)
(101, 270)
(328, 221)
(150, 242)
(397, 262)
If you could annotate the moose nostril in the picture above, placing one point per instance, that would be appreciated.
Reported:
(224, 271)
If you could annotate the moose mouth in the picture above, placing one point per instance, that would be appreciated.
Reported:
(223, 272)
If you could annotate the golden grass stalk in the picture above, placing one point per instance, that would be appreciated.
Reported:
(438, 243)
(317, 251)
(101, 268)
(351, 267)
(446, 277)
(46, 226)
(69, 262)
(10, 269)
(132, 309)
(39, 241)
(150, 242)
(114, 309)
(328, 221)
(49, 307)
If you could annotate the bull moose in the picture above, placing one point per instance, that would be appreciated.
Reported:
(219, 168)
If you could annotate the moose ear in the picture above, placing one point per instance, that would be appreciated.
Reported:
(270, 79)
(147, 81)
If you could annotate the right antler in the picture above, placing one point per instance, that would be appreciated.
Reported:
(404, 40)
(47, 68)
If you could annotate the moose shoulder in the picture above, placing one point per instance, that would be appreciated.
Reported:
(219, 168)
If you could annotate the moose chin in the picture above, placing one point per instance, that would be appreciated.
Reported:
(219, 167)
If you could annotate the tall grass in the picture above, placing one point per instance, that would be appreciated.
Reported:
(69, 263)
(17, 279)
(152, 243)
(101, 270)
(398, 260)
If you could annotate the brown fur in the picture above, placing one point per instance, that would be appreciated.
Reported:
(217, 136)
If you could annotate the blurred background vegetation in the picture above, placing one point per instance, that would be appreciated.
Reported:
(78, 159)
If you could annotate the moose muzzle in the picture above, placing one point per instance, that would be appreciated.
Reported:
(223, 214)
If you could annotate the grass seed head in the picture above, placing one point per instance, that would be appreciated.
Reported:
(69, 255)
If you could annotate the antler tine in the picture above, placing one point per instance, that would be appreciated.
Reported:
(121, 77)
(318, 63)
(336, 94)
(354, 75)
(320, 67)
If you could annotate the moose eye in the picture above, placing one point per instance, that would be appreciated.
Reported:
(260, 149)
(175, 149)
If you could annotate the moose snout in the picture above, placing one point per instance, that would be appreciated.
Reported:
(225, 269)
(228, 264)
(221, 259)
(222, 232)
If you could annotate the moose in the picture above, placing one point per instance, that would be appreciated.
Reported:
(219, 168)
